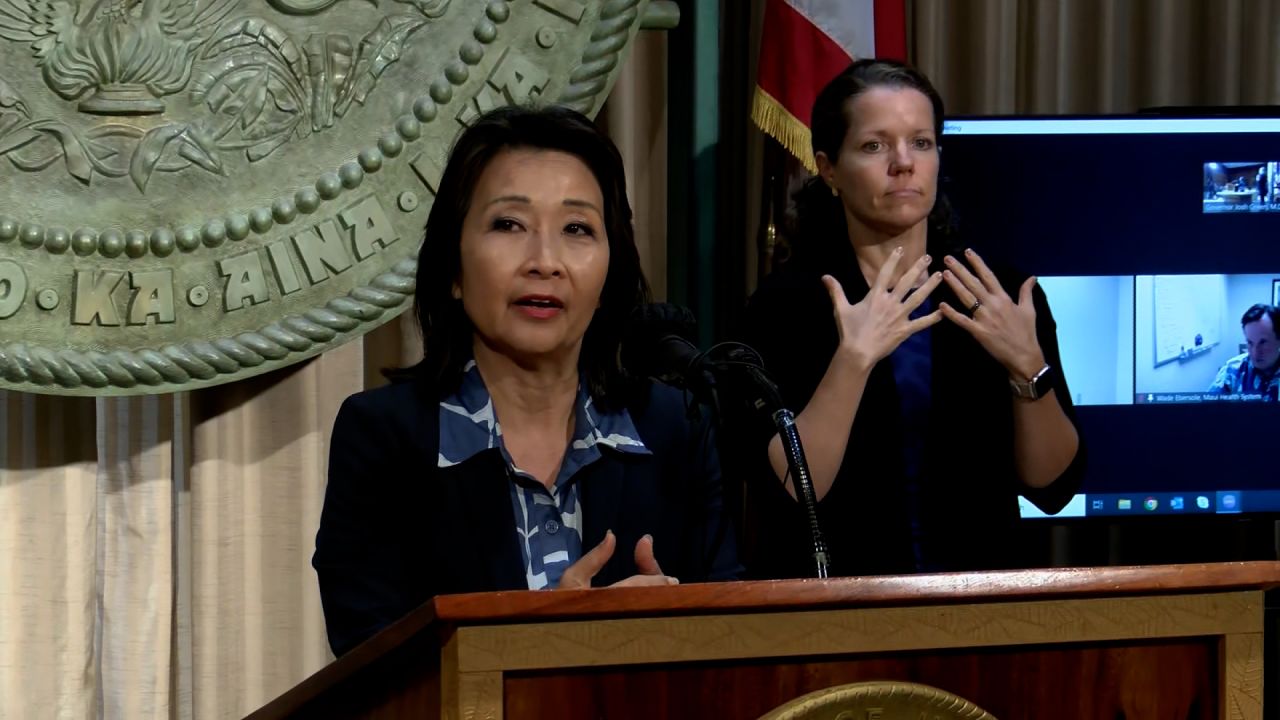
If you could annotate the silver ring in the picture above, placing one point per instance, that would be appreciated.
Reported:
(974, 307)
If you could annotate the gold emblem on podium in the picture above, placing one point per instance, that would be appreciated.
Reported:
(884, 700)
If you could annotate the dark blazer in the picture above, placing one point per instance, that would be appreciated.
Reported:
(968, 511)
(396, 530)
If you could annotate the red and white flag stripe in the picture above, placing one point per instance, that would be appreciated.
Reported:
(808, 42)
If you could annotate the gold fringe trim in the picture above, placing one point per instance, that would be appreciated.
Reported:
(774, 119)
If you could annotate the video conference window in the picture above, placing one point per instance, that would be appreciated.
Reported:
(1163, 302)
(1155, 339)
(1241, 187)
(1205, 338)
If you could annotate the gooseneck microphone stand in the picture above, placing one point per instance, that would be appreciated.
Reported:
(666, 354)
(797, 467)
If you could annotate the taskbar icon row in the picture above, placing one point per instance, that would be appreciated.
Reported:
(1181, 503)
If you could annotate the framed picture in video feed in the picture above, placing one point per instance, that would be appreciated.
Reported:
(1157, 241)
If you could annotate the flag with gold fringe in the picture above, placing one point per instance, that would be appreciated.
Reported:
(805, 44)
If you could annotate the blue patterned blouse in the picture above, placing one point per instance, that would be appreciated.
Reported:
(548, 522)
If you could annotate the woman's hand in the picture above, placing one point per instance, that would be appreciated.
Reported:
(1007, 330)
(578, 575)
(874, 327)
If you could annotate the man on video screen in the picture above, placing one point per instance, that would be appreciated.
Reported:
(1254, 372)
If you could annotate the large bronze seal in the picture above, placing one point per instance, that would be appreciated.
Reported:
(196, 191)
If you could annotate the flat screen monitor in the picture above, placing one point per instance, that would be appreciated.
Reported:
(1157, 242)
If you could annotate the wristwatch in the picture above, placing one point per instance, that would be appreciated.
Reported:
(1037, 387)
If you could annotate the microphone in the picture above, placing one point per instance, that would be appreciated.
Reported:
(656, 344)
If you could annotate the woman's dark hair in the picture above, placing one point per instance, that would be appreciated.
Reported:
(446, 329)
(820, 215)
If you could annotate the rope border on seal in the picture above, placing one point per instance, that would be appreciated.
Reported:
(590, 79)
(206, 360)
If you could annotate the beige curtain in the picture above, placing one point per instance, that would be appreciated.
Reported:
(1096, 56)
(155, 551)
(636, 118)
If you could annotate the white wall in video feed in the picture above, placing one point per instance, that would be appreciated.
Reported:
(1241, 186)
(1187, 315)
(1170, 311)
(1187, 328)
(1095, 336)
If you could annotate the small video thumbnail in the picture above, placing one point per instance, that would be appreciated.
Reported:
(1206, 338)
(1235, 187)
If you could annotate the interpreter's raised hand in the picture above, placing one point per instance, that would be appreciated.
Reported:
(578, 575)
(1006, 329)
(875, 326)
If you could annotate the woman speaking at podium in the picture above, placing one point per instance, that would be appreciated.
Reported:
(518, 454)
(927, 381)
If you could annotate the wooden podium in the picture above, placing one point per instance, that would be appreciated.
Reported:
(1177, 641)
